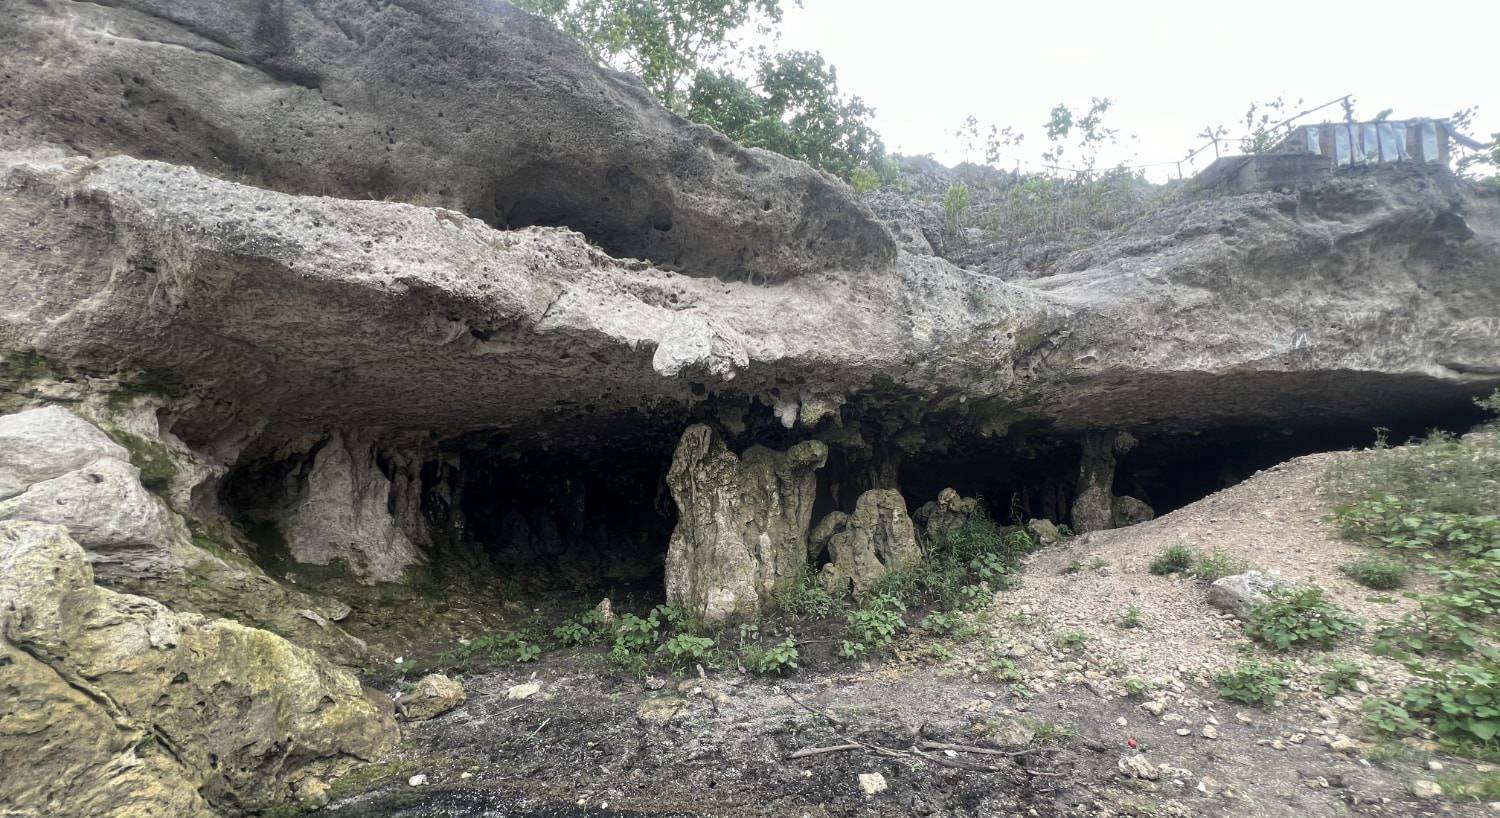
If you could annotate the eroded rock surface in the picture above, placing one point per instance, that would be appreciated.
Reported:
(64, 470)
(741, 533)
(949, 511)
(119, 706)
(876, 539)
(491, 112)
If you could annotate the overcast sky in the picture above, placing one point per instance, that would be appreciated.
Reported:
(1171, 68)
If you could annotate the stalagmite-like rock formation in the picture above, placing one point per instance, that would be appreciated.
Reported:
(741, 533)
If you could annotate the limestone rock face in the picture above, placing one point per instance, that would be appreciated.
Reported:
(344, 515)
(876, 539)
(64, 470)
(741, 533)
(434, 695)
(122, 707)
(59, 468)
(506, 120)
(49, 442)
(1044, 531)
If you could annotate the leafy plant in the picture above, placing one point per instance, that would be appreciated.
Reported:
(955, 202)
(941, 622)
(1461, 700)
(1135, 687)
(683, 649)
(1177, 559)
(1251, 683)
(1389, 717)
(582, 629)
(494, 647)
(805, 596)
(1299, 617)
(873, 626)
(1073, 639)
(1073, 567)
(774, 660)
(1130, 617)
(1379, 573)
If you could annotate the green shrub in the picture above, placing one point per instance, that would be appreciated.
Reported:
(1073, 567)
(494, 647)
(873, 626)
(1073, 639)
(1297, 618)
(1217, 564)
(1461, 700)
(1251, 683)
(1135, 687)
(1389, 717)
(1178, 558)
(774, 660)
(582, 629)
(1379, 573)
(1131, 617)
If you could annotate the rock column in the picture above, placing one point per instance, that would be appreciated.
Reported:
(741, 533)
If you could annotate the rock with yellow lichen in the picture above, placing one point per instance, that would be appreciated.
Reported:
(119, 706)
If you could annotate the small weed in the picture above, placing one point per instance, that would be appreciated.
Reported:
(1073, 639)
(1217, 564)
(1099, 564)
(1046, 732)
(775, 660)
(941, 622)
(1135, 687)
(1340, 675)
(1379, 573)
(681, 650)
(1130, 617)
(940, 653)
(1073, 567)
(1177, 559)
(873, 626)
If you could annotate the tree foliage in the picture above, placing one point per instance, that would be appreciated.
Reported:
(688, 54)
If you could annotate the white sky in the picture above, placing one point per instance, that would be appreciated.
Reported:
(1170, 67)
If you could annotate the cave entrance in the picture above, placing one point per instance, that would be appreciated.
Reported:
(578, 522)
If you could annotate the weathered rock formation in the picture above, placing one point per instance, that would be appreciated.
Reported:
(344, 514)
(864, 546)
(116, 705)
(57, 468)
(742, 531)
(472, 106)
(1094, 506)
(949, 511)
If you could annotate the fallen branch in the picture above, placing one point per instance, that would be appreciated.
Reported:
(817, 751)
(967, 748)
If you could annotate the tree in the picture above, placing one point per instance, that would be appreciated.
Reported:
(795, 109)
(664, 42)
(684, 51)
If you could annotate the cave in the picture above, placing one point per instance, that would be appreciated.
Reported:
(598, 522)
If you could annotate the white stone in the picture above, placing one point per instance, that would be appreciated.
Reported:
(872, 783)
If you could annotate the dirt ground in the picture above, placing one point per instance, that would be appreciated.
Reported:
(1055, 717)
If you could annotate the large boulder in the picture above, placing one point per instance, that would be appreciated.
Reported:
(1241, 594)
(876, 539)
(118, 706)
(58, 468)
(741, 532)
(473, 106)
